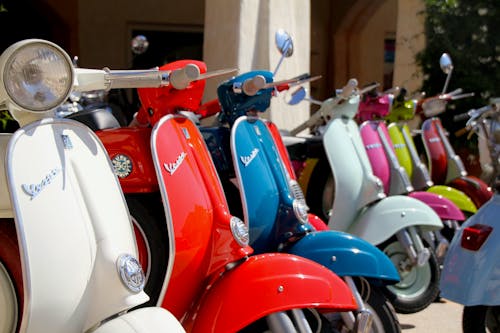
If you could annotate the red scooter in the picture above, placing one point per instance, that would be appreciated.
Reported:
(214, 284)
(445, 165)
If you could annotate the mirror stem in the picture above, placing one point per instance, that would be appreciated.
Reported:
(283, 55)
(447, 81)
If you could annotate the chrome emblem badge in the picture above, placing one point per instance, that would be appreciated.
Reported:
(257, 130)
(34, 189)
(66, 141)
(246, 160)
(131, 273)
(172, 167)
(122, 165)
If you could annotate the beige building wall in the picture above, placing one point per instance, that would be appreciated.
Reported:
(240, 34)
(410, 40)
(348, 37)
(382, 25)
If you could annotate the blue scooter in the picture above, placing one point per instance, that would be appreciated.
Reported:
(274, 207)
(471, 271)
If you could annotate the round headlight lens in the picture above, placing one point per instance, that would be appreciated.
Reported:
(240, 231)
(131, 273)
(300, 209)
(38, 76)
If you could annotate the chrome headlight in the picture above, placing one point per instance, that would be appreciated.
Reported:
(37, 75)
(131, 273)
(240, 231)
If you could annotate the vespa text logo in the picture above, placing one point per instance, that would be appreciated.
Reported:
(246, 160)
(172, 167)
(399, 146)
(373, 146)
(434, 139)
(34, 189)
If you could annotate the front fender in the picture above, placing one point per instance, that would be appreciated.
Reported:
(474, 187)
(144, 320)
(444, 207)
(345, 255)
(266, 284)
(473, 277)
(385, 218)
(459, 198)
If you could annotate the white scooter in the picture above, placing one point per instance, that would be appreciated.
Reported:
(76, 242)
(360, 206)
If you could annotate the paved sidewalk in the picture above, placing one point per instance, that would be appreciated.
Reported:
(440, 317)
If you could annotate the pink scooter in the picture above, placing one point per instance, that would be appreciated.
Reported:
(385, 165)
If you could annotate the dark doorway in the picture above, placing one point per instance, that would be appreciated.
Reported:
(168, 46)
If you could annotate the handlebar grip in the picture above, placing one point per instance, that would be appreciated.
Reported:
(349, 88)
(462, 116)
(180, 78)
(252, 86)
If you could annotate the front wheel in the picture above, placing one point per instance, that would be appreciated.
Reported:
(384, 316)
(419, 285)
(8, 302)
(151, 236)
(321, 190)
(481, 319)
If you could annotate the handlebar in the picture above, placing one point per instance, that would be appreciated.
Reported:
(181, 78)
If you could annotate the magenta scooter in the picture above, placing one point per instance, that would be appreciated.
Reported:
(386, 166)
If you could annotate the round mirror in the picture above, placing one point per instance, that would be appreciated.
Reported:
(295, 97)
(284, 42)
(445, 63)
(139, 44)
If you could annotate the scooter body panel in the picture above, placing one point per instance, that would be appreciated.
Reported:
(444, 208)
(376, 132)
(267, 201)
(345, 255)
(376, 153)
(48, 194)
(267, 283)
(355, 184)
(473, 187)
(193, 198)
(130, 152)
(383, 219)
(473, 277)
(435, 150)
(400, 149)
(459, 198)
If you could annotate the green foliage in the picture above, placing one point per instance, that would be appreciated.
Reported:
(7, 123)
(468, 30)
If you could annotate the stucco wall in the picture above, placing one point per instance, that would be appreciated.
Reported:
(241, 34)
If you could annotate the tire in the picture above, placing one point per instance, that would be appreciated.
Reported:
(9, 307)
(11, 278)
(314, 320)
(321, 190)
(151, 234)
(384, 315)
(481, 319)
(419, 286)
